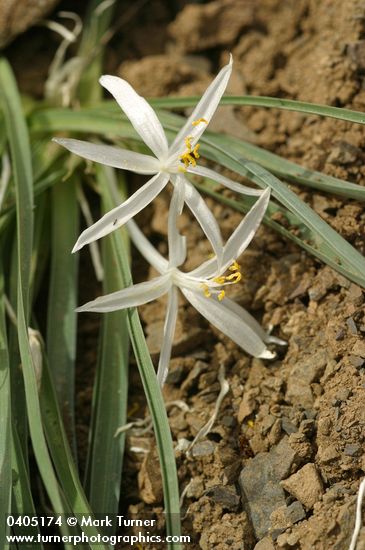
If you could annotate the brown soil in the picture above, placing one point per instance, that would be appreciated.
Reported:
(308, 404)
(311, 397)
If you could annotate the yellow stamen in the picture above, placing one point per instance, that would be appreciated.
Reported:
(187, 141)
(234, 277)
(190, 154)
(206, 290)
(235, 266)
(181, 169)
(196, 122)
(195, 151)
(221, 295)
(250, 423)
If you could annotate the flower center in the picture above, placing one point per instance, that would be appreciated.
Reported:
(190, 156)
(234, 277)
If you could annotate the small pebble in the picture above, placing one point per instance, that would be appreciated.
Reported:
(351, 449)
(343, 394)
(352, 325)
(356, 361)
(340, 334)
(203, 448)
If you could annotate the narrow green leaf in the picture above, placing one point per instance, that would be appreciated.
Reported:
(62, 299)
(22, 501)
(22, 169)
(96, 23)
(105, 455)
(5, 423)
(149, 380)
(61, 454)
(270, 102)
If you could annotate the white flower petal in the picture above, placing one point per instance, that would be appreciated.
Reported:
(230, 184)
(229, 322)
(238, 241)
(251, 322)
(124, 212)
(205, 218)
(168, 336)
(111, 156)
(204, 109)
(244, 233)
(131, 296)
(177, 242)
(147, 250)
(139, 112)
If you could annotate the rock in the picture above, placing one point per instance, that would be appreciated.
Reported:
(248, 405)
(359, 348)
(198, 27)
(344, 153)
(259, 482)
(305, 485)
(352, 449)
(228, 421)
(356, 52)
(226, 496)
(286, 516)
(195, 489)
(356, 362)
(343, 394)
(161, 75)
(288, 426)
(203, 448)
(17, 15)
(184, 340)
(302, 375)
(327, 453)
(149, 479)
(265, 544)
(352, 325)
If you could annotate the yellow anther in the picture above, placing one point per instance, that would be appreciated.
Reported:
(234, 277)
(196, 122)
(181, 169)
(191, 160)
(235, 266)
(206, 290)
(195, 151)
(190, 154)
(187, 141)
(250, 423)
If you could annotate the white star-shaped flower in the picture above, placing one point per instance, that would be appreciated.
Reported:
(204, 287)
(169, 163)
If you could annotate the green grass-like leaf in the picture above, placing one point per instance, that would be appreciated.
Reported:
(22, 500)
(149, 380)
(105, 454)
(62, 298)
(268, 102)
(75, 501)
(22, 169)
(5, 423)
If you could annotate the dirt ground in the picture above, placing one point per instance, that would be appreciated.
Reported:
(281, 467)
